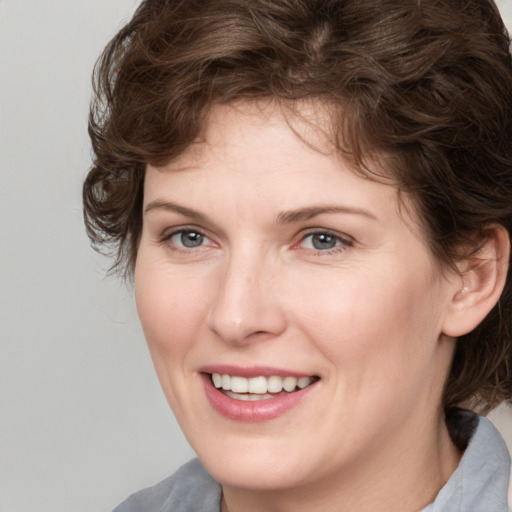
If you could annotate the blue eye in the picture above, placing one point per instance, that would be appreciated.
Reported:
(324, 241)
(188, 238)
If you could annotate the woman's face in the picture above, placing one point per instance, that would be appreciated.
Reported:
(263, 257)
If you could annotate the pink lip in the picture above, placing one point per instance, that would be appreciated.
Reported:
(252, 412)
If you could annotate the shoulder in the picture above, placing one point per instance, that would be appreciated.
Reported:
(190, 488)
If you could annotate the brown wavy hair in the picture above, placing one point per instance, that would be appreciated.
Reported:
(428, 82)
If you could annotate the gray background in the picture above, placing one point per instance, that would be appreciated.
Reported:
(83, 422)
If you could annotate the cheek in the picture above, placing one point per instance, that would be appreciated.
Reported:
(360, 320)
(171, 313)
(170, 307)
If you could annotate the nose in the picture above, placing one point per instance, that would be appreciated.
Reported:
(247, 305)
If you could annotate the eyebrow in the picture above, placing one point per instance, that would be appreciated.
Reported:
(286, 217)
(307, 213)
(173, 207)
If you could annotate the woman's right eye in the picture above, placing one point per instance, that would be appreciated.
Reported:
(188, 239)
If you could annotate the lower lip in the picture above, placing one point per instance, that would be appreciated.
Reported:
(252, 412)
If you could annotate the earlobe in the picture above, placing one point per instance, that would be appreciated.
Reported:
(482, 279)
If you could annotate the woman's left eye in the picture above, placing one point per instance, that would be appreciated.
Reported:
(324, 241)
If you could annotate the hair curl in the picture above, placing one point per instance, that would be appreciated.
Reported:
(427, 82)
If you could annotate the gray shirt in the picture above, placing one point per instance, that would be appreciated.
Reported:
(479, 484)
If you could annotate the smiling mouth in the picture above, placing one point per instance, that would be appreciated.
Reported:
(259, 388)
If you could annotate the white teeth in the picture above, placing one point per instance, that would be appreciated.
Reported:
(304, 382)
(248, 397)
(274, 384)
(289, 383)
(259, 385)
(239, 385)
(226, 382)
(217, 380)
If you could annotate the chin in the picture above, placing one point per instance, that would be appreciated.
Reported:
(257, 475)
(252, 463)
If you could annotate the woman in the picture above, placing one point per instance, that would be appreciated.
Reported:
(314, 200)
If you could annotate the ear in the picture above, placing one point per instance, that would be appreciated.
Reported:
(480, 283)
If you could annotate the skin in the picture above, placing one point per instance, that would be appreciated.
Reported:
(367, 316)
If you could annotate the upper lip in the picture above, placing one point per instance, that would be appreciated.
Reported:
(251, 371)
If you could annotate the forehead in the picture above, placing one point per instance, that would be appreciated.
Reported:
(324, 127)
(262, 124)
(249, 139)
(317, 124)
